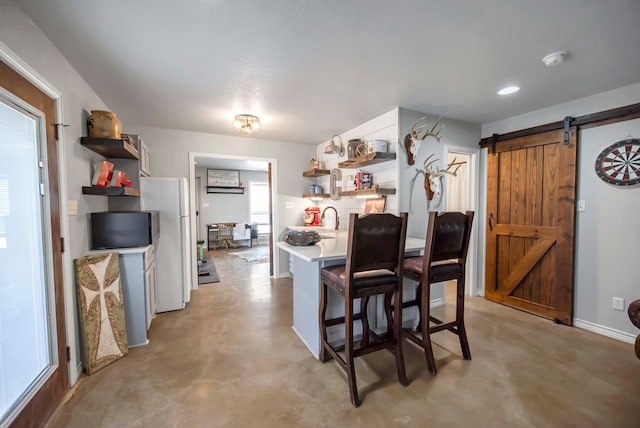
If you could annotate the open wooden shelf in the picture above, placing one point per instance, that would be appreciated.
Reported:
(110, 191)
(316, 173)
(374, 191)
(316, 195)
(111, 148)
(376, 157)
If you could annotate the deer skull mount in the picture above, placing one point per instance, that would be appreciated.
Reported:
(433, 176)
(418, 133)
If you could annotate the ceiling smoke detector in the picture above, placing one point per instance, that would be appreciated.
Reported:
(555, 58)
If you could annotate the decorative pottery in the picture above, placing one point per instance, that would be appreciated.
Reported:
(103, 124)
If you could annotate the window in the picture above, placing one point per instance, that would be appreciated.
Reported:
(259, 206)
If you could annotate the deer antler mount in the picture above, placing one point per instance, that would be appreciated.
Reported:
(418, 133)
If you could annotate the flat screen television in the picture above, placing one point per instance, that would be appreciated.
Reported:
(123, 229)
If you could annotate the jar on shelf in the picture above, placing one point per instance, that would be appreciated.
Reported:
(103, 124)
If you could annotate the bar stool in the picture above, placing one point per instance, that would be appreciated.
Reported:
(373, 266)
(444, 259)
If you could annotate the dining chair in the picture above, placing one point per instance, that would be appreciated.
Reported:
(444, 259)
(634, 315)
(375, 253)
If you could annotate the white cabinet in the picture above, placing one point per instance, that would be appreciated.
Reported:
(150, 285)
(137, 275)
(145, 159)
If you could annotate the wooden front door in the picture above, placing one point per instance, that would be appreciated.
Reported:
(51, 391)
(530, 230)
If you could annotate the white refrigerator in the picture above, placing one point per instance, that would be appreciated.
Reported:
(170, 196)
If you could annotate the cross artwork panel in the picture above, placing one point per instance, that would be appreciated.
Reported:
(102, 319)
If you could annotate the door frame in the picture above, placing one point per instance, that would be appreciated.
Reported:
(474, 281)
(275, 223)
(23, 69)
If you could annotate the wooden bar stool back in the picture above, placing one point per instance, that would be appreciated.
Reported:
(444, 259)
(375, 254)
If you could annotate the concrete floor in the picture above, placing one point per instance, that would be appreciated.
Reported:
(230, 359)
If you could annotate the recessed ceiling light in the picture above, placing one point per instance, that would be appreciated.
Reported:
(509, 90)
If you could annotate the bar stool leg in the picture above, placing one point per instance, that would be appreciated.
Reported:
(348, 350)
(364, 302)
(426, 337)
(324, 355)
(462, 332)
(397, 336)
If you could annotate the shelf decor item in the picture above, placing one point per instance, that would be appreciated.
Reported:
(103, 124)
(102, 320)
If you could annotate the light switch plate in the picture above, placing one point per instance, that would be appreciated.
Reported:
(73, 207)
(205, 205)
(582, 206)
(289, 205)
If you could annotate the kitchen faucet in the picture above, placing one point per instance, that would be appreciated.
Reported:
(337, 218)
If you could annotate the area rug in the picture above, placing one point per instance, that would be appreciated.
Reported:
(259, 254)
(207, 273)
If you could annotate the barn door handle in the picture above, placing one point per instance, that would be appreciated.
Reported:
(491, 220)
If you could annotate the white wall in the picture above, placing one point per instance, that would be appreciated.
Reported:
(33, 48)
(412, 197)
(170, 151)
(607, 244)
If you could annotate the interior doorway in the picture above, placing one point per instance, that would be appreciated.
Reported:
(217, 205)
(461, 194)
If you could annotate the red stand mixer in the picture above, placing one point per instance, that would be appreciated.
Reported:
(311, 216)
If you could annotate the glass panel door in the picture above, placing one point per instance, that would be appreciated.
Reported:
(25, 340)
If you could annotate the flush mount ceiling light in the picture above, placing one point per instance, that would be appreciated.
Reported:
(332, 148)
(555, 58)
(508, 90)
(247, 124)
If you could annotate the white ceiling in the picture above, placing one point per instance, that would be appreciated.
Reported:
(313, 68)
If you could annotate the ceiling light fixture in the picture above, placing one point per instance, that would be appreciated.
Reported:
(509, 90)
(555, 58)
(247, 124)
(333, 148)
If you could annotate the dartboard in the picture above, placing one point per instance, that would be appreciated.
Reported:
(619, 164)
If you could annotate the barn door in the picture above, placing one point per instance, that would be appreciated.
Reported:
(530, 230)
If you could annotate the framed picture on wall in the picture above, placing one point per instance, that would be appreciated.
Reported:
(223, 178)
(373, 206)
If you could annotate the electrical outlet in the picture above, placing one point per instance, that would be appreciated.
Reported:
(618, 304)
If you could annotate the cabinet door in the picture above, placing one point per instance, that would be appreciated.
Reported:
(150, 293)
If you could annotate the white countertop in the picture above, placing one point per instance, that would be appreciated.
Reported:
(127, 250)
(333, 245)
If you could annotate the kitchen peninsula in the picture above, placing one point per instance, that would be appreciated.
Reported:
(305, 264)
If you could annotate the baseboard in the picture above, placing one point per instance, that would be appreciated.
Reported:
(605, 331)
(437, 302)
(78, 372)
(305, 343)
